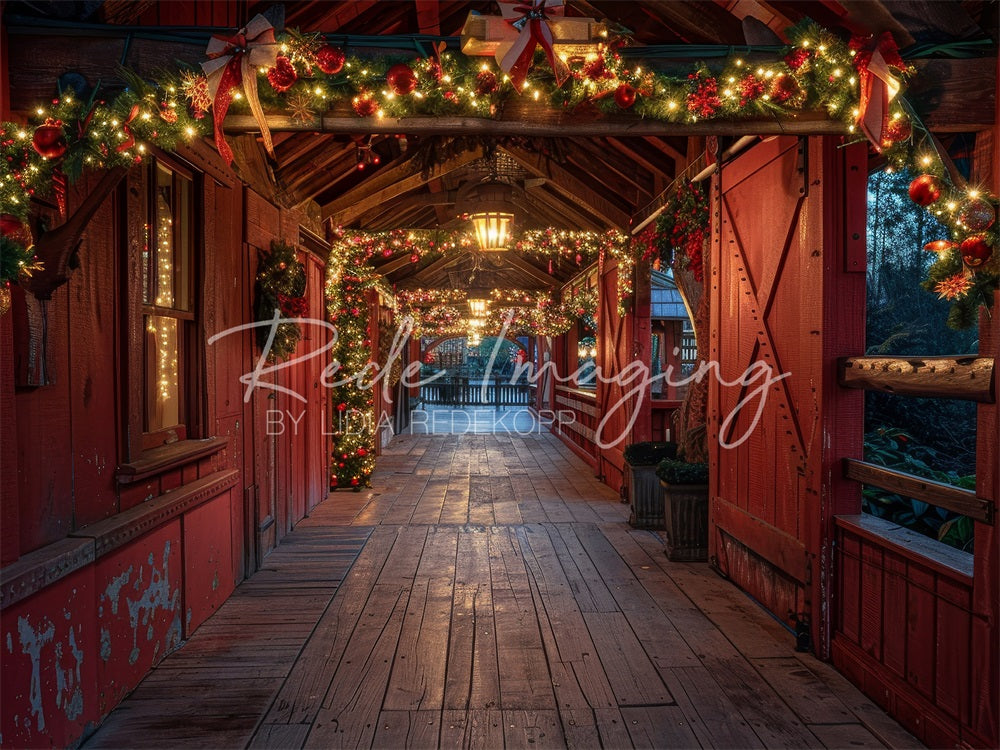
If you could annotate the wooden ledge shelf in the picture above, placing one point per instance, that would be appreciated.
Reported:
(910, 544)
(42, 567)
(166, 457)
(969, 378)
(113, 532)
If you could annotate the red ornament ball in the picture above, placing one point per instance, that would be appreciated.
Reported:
(926, 189)
(330, 59)
(364, 105)
(387, 252)
(401, 79)
(48, 139)
(977, 214)
(362, 452)
(282, 75)
(414, 258)
(354, 481)
(975, 251)
(486, 83)
(898, 130)
(625, 96)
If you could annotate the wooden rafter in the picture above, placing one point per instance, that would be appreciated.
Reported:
(391, 181)
(570, 186)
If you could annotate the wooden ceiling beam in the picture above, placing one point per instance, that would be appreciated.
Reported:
(639, 151)
(570, 186)
(701, 22)
(805, 123)
(666, 148)
(610, 168)
(404, 203)
(567, 213)
(389, 182)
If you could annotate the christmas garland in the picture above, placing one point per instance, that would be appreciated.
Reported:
(280, 286)
(682, 227)
(349, 281)
(304, 76)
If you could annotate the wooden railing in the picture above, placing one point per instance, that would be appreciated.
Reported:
(498, 393)
(934, 493)
(969, 378)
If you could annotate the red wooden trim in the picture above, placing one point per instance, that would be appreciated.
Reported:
(43, 567)
(785, 552)
(916, 713)
(122, 528)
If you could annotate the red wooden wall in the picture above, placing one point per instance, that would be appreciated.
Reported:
(917, 624)
(784, 293)
(102, 576)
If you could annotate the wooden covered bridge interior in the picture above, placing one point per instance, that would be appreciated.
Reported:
(237, 568)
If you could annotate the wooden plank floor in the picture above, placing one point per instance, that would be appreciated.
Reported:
(497, 599)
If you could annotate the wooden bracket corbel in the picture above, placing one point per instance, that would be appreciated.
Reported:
(55, 248)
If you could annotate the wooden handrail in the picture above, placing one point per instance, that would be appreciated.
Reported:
(934, 493)
(969, 378)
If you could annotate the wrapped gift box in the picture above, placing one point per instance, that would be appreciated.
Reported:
(493, 36)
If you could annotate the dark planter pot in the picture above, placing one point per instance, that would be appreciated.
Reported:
(645, 497)
(685, 519)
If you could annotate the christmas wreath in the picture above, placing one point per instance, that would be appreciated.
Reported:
(281, 284)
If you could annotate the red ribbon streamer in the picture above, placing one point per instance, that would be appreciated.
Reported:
(129, 141)
(877, 85)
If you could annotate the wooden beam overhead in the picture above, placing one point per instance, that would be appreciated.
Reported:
(427, 17)
(559, 124)
(389, 182)
(570, 186)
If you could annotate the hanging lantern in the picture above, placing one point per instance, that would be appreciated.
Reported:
(489, 207)
(478, 306)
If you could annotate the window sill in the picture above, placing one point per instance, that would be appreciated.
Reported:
(166, 457)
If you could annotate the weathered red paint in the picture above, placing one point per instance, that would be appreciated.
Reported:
(208, 559)
(49, 653)
(780, 296)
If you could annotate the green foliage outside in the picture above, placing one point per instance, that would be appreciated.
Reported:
(932, 438)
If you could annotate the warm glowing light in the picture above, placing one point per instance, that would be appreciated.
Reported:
(492, 229)
(477, 306)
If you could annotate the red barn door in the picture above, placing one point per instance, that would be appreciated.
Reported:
(787, 292)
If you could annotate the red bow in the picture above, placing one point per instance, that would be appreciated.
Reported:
(233, 63)
(878, 86)
(532, 23)
(129, 141)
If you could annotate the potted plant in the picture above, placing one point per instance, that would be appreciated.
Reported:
(641, 488)
(685, 509)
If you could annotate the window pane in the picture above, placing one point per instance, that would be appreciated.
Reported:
(171, 284)
(162, 373)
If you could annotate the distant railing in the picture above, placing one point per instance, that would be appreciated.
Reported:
(498, 392)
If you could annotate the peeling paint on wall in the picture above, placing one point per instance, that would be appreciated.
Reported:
(32, 642)
(156, 596)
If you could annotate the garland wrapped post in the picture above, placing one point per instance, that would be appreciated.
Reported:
(281, 284)
(352, 398)
(682, 228)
